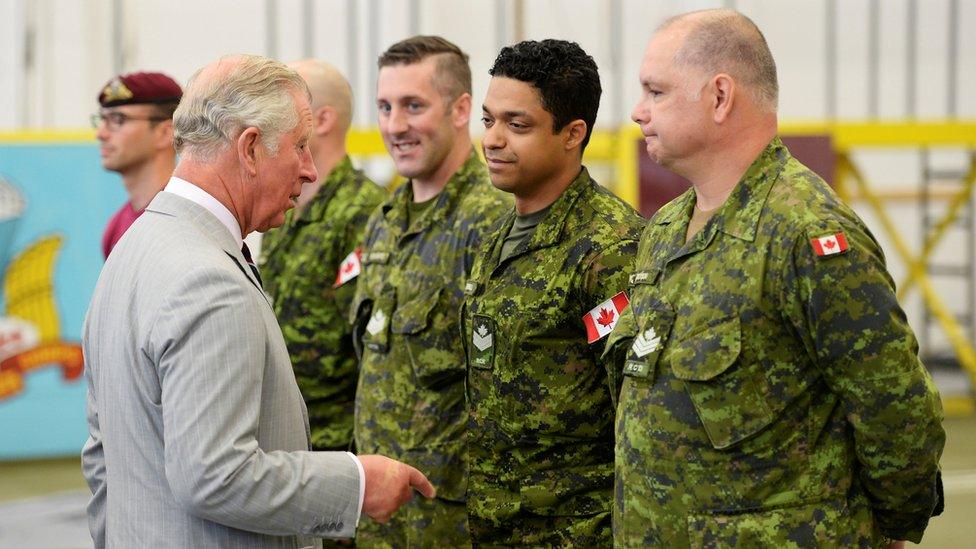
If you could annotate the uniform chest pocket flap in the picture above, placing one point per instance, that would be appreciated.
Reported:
(728, 396)
(434, 351)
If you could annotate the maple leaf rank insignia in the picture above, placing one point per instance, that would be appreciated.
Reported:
(482, 338)
(482, 355)
(376, 322)
(646, 343)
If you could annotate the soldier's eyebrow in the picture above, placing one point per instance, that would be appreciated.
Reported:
(507, 114)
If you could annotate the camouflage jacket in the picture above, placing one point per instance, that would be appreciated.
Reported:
(541, 428)
(773, 395)
(410, 405)
(299, 268)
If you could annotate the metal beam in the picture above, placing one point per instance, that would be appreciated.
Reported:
(118, 38)
(830, 59)
(911, 59)
(308, 28)
(271, 28)
(874, 58)
(952, 59)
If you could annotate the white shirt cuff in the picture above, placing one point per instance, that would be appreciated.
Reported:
(362, 485)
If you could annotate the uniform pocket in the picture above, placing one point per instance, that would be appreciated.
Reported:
(821, 524)
(569, 491)
(433, 349)
(727, 395)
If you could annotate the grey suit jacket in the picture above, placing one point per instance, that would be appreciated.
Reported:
(198, 433)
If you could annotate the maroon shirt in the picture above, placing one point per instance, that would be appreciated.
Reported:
(117, 226)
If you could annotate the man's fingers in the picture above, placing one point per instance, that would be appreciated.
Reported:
(421, 484)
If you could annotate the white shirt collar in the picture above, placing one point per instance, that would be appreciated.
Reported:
(189, 191)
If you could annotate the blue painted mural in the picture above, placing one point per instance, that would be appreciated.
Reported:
(55, 199)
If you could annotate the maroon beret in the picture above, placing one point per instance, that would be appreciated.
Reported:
(139, 87)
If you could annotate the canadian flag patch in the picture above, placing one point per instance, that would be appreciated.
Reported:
(830, 244)
(601, 319)
(350, 268)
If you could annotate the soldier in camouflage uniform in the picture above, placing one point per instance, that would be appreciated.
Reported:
(773, 396)
(418, 253)
(303, 257)
(540, 398)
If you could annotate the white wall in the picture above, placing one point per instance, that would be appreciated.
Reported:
(72, 47)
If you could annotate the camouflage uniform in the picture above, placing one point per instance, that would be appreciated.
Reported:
(772, 397)
(410, 404)
(299, 268)
(540, 438)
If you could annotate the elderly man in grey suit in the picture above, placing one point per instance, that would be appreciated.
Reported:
(198, 433)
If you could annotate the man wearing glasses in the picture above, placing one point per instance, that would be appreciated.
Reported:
(135, 129)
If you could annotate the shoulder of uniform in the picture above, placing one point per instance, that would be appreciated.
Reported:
(609, 215)
(370, 194)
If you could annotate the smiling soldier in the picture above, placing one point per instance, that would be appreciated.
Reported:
(419, 248)
(547, 287)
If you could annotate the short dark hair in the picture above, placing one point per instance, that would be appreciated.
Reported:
(565, 75)
(453, 75)
(166, 110)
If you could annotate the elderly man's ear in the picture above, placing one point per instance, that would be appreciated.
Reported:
(247, 149)
(324, 120)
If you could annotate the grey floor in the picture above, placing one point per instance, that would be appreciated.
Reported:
(56, 521)
(42, 503)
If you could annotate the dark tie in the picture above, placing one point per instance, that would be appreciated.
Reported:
(250, 263)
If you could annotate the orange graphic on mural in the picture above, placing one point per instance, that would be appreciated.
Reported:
(30, 330)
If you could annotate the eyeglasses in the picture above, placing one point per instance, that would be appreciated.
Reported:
(115, 119)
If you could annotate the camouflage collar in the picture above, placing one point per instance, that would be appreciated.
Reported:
(739, 216)
(342, 173)
(549, 230)
(547, 233)
(395, 209)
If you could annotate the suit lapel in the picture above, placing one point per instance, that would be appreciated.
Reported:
(209, 226)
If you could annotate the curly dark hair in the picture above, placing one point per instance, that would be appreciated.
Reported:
(565, 75)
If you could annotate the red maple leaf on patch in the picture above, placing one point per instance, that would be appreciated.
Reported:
(606, 317)
(348, 267)
(829, 244)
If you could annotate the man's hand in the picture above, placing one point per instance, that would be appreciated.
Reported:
(390, 484)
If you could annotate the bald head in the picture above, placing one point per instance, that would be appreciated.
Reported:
(725, 41)
(234, 93)
(329, 88)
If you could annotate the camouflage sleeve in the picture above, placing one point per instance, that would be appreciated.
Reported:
(607, 273)
(844, 308)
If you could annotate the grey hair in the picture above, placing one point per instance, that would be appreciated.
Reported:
(239, 92)
(723, 40)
